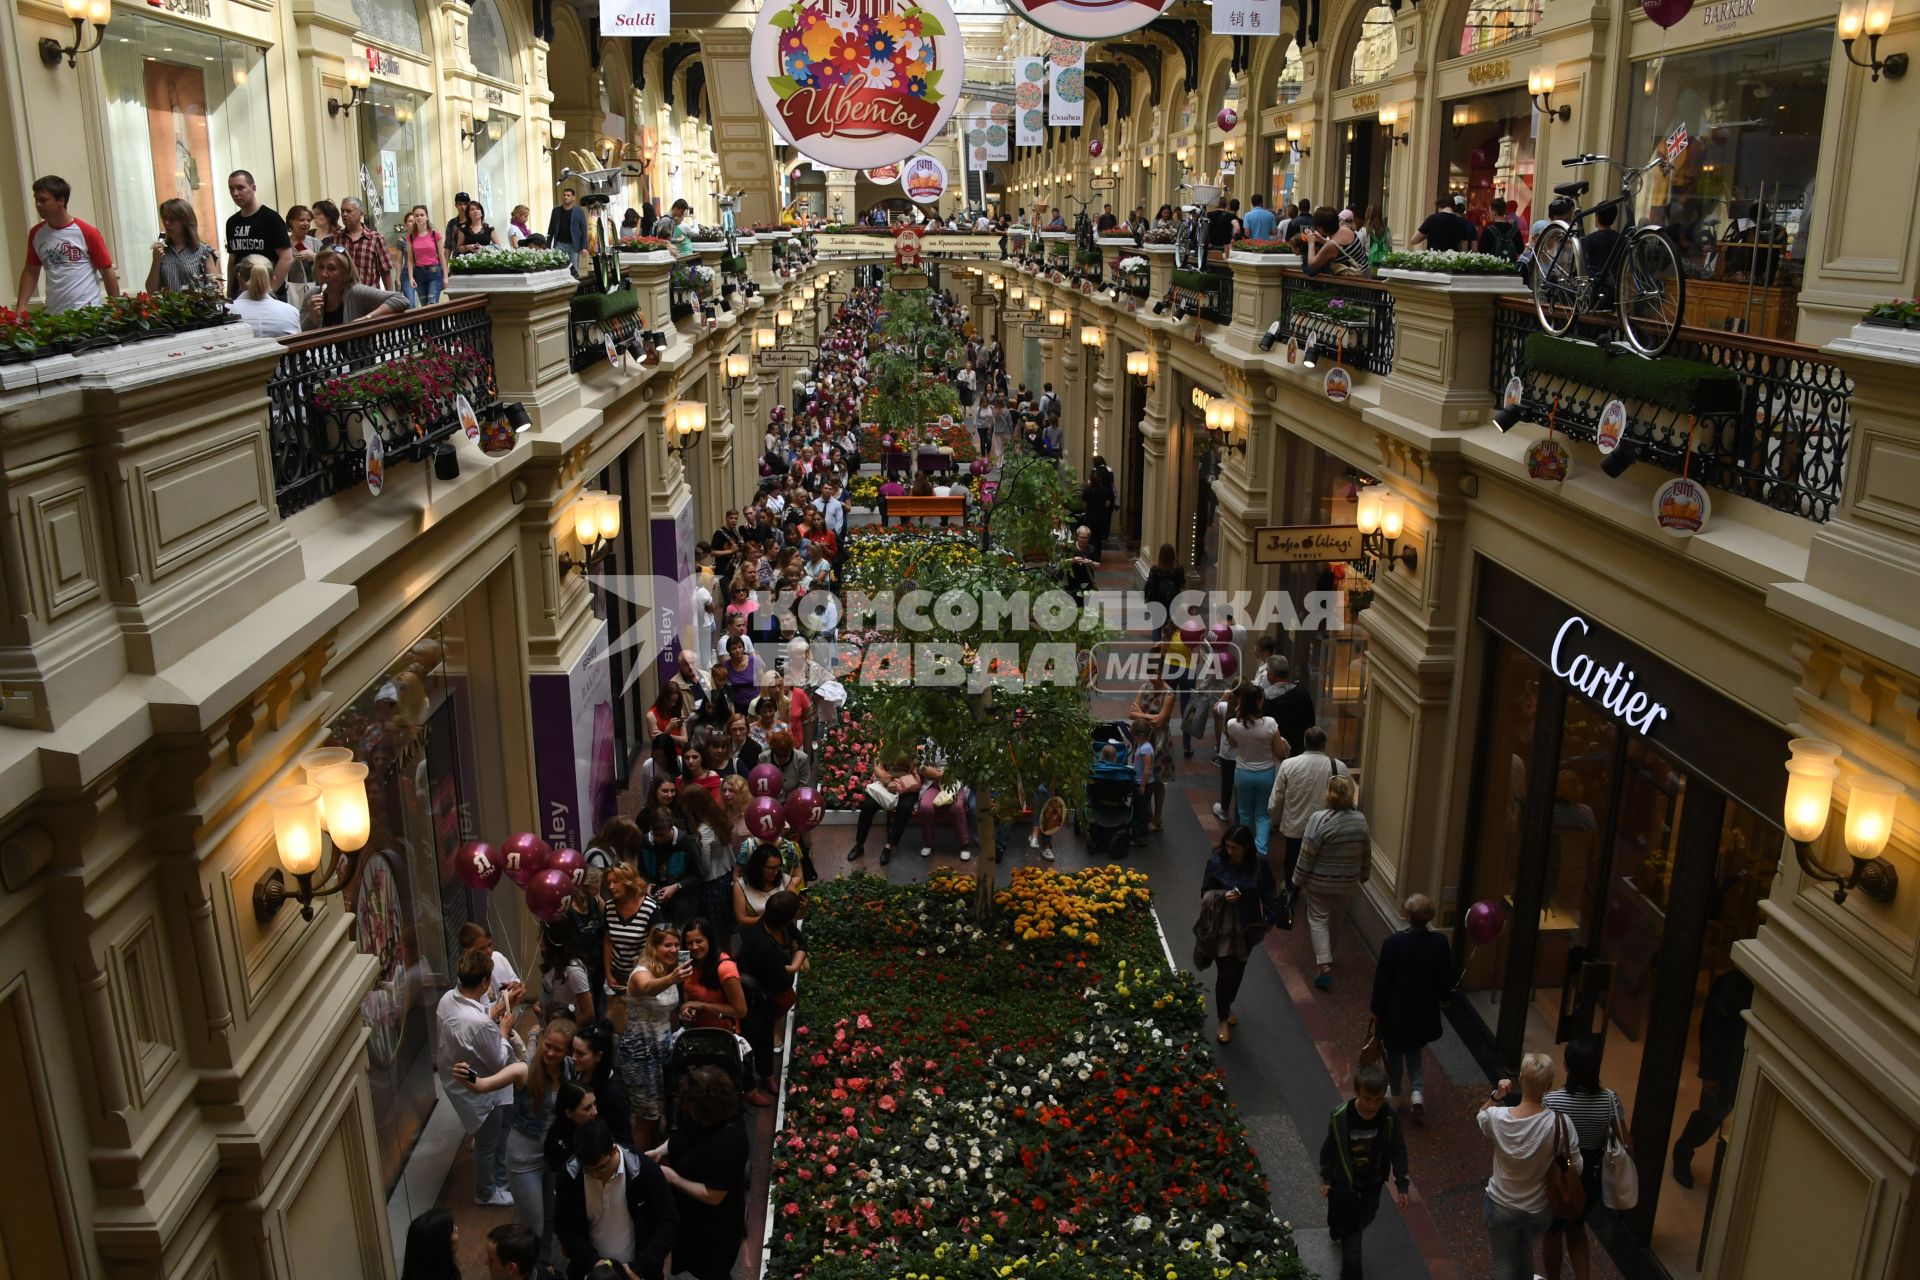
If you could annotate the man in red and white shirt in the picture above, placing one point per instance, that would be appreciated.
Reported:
(69, 250)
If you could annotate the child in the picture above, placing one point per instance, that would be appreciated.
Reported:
(1364, 1142)
(1143, 777)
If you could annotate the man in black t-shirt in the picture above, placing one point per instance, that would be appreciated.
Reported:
(726, 541)
(253, 228)
(1597, 248)
(1446, 228)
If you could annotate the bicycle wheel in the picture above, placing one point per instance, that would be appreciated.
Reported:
(1653, 293)
(1556, 278)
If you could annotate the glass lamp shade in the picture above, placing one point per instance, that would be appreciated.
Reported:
(1389, 117)
(738, 366)
(1366, 510)
(312, 762)
(784, 319)
(296, 827)
(1393, 515)
(480, 111)
(78, 9)
(1016, 294)
(343, 797)
(558, 130)
(1879, 16)
(1057, 315)
(1809, 797)
(606, 517)
(1137, 363)
(586, 525)
(765, 339)
(1870, 807)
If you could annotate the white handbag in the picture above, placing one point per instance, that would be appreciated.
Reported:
(883, 795)
(1619, 1178)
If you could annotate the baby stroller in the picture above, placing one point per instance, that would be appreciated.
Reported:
(1110, 793)
(704, 1047)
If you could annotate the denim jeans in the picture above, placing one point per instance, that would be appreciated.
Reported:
(489, 1169)
(526, 1166)
(1410, 1063)
(1251, 790)
(1512, 1235)
(423, 288)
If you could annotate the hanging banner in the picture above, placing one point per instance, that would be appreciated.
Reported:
(924, 179)
(999, 132)
(976, 142)
(635, 17)
(1029, 101)
(858, 112)
(1067, 81)
(1093, 19)
(1246, 17)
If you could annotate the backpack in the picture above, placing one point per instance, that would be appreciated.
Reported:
(1505, 240)
(1378, 247)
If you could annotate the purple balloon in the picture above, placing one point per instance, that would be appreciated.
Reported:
(1486, 920)
(765, 819)
(548, 894)
(477, 863)
(765, 780)
(571, 861)
(1228, 663)
(1192, 634)
(978, 467)
(1666, 13)
(1220, 633)
(525, 856)
(804, 809)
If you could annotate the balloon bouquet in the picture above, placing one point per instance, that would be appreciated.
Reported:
(549, 876)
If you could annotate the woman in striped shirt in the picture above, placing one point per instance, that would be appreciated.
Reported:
(627, 923)
(1594, 1110)
(1336, 854)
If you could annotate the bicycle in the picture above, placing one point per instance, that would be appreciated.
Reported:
(1640, 277)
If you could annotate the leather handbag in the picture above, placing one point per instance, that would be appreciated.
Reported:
(1566, 1194)
(1619, 1178)
(1373, 1050)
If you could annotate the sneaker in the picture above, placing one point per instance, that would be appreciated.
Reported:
(966, 855)
(1419, 1103)
(1219, 813)
(500, 1197)
(1047, 853)
(926, 851)
(1033, 840)
(856, 853)
(886, 854)
(1323, 980)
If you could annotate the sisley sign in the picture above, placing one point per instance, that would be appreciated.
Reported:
(635, 17)
(1611, 687)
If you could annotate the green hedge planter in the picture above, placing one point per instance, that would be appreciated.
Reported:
(1685, 386)
(604, 306)
(1198, 281)
(737, 264)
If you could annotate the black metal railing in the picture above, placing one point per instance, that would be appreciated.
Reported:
(588, 334)
(320, 451)
(1134, 286)
(1784, 446)
(1340, 316)
(1217, 307)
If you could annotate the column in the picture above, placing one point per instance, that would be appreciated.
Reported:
(1158, 496)
(1107, 371)
(749, 440)
(1072, 390)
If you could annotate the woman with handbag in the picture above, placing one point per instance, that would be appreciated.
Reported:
(1536, 1167)
(1239, 872)
(1597, 1116)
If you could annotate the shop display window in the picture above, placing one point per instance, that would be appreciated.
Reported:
(498, 177)
(1739, 206)
(392, 22)
(1488, 24)
(487, 41)
(184, 108)
(394, 171)
(1487, 153)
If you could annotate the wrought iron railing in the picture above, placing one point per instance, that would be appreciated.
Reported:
(1341, 316)
(588, 334)
(1134, 286)
(1784, 446)
(318, 452)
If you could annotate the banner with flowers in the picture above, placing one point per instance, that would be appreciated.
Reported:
(976, 142)
(858, 84)
(999, 132)
(1066, 82)
(1029, 101)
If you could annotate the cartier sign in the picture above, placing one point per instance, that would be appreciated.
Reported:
(1612, 687)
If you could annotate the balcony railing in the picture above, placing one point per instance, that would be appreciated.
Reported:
(1342, 316)
(596, 317)
(320, 406)
(1134, 286)
(1784, 446)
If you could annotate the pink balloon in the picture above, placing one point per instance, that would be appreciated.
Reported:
(978, 467)
(571, 861)
(548, 894)
(1486, 920)
(804, 809)
(765, 780)
(1192, 634)
(1227, 118)
(525, 856)
(1095, 147)
(1666, 13)
(477, 863)
(765, 820)
(1220, 633)
(1228, 663)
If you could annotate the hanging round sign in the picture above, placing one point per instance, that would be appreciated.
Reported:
(469, 420)
(376, 462)
(1666, 13)
(1095, 147)
(924, 179)
(1338, 384)
(1547, 460)
(1613, 426)
(1226, 119)
(1293, 350)
(1089, 19)
(884, 173)
(1515, 393)
(861, 87)
(1681, 507)
(613, 352)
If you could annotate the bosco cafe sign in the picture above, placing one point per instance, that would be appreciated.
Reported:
(1612, 687)
(857, 84)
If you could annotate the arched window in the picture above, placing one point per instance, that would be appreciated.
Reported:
(1373, 47)
(1292, 78)
(487, 41)
(1487, 23)
(391, 22)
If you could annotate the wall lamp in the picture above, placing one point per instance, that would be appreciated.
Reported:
(739, 365)
(1540, 89)
(556, 134)
(1461, 118)
(1222, 420)
(99, 12)
(1870, 808)
(1390, 121)
(1381, 516)
(479, 121)
(1056, 315)
(686, 419)
(596, 523)
(333, 801)
(1140, 365)
(357, 77)
(1871, 17)
(765, 339)
(1300, 141)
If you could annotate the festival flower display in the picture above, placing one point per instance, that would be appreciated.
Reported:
(962, 441)
(964, 1105)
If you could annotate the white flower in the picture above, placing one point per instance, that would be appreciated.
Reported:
(1141, 1222)
(933, 1143)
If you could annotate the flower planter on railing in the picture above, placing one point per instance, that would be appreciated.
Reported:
(595, 319)
(1443, 325)
(33, 335)
(1339, 316)
(509, 262)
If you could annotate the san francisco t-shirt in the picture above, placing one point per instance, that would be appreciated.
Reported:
(69, 257)
(263, 232)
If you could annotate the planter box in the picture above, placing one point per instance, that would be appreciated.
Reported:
(1476, 283)
(1273, 260)
(663, 257)
(1115, 242)
(492, 282)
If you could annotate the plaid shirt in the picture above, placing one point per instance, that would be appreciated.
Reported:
(371, 261)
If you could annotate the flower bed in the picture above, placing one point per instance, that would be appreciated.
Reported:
(646, 244)
(501, 262)
(1453, 262)
(964, 441)
(969, 1105)
(28, 335)
(881, 559)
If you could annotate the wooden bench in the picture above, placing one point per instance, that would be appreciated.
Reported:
(907, 507)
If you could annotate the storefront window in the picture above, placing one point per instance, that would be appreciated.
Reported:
(487, 41)
(1373, 48)
(391, 22)
(1488, 151)
(1282, 175)
(1488, 23)
(1292, 78)
(184, 108)
(1361, 165)
(1739, 205)
(394, 173)
(1507, 755)
(498, 180)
